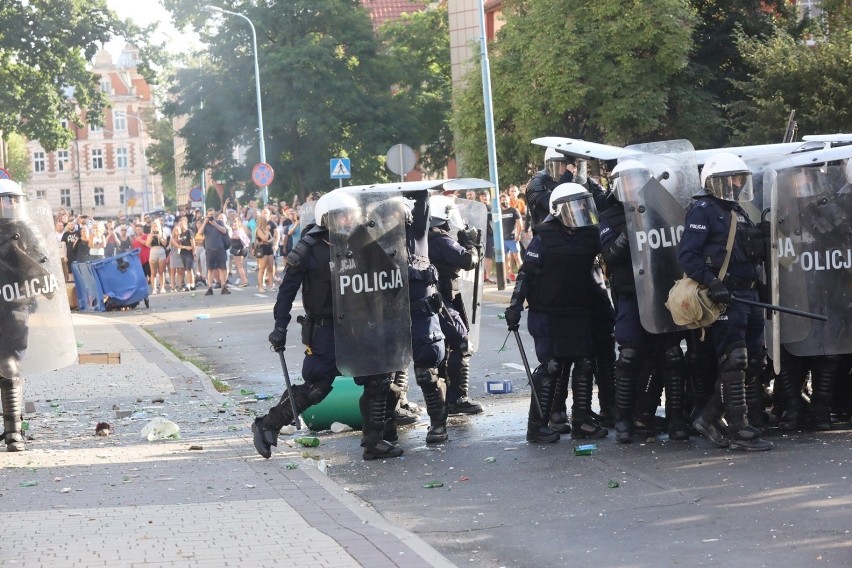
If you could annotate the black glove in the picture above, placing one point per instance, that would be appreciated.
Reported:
(622, 242)
(513, 319)
(765, 228)
(718, 292)
(278, 339)
(467, 238)
(763, 292)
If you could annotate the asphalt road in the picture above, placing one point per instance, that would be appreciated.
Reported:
(504, 502)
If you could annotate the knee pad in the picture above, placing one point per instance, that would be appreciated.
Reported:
(629, 359)
(756, 365)
(584, 367)
(377, 386)
(735, 358)
(553, 367)
(9, 367)
(464, 347)
(318, 391)
(425, 376)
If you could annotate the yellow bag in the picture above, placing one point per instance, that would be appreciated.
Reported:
(690, 303)
(691, 306)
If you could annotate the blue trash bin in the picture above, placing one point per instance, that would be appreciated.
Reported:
(122, 280)
(90, 296)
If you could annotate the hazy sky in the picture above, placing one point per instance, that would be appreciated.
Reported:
(145, 12)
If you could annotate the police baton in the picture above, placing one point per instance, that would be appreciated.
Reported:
(774, 308)
(529, 373)
(290, 390)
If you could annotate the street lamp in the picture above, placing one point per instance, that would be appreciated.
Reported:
(262, 145)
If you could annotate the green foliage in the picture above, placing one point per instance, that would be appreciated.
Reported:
(594, 70)
(418, 46)
(18, 164)
(812, 79)
(45, 48)
(326, 91)
(160, 154)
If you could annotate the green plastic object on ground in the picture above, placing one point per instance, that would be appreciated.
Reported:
(309, 441)
(341, 405)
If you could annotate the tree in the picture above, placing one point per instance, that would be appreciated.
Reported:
(160, 154)
(418, 46)
(326, 91)
(595, 69)
(18, 164)
(791, 74)
(45, 48)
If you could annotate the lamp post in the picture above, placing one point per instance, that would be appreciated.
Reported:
(261, 145)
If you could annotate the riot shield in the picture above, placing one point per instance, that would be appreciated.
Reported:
(35, 320)
(369, 271)
(814, 257)
(306, 214)
(474, 215)
(654, 214)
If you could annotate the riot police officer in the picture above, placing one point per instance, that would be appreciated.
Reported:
(450, 256)
(738, 334)
(556, 281)
(24, 269)
(560, 169)
(308, 268)
(640, 352)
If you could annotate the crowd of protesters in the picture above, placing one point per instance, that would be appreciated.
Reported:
(189, 247)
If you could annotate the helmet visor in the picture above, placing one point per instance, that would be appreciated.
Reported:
(627, 184)
(555, 167)
(731, 186)
(579, 211)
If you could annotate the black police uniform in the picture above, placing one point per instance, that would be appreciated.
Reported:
(450, 257)
(738, 334)
(556, 281)
(308, 268)
(642, 355)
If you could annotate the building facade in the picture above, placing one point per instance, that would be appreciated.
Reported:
(103, 172)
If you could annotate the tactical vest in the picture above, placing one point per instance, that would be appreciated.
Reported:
(448, 276)
(620, 274)
(538, 196)
(713, 250)
(316, 287)
(564, 284)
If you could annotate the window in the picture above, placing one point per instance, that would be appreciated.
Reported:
(119, 120)
(41, 194)
(95, 128)
(121, 157)
(97, 159)
(62, 160)
(106, 85)
(63, 122)
(122, 194)
(65, 197)
(39, 163)
(99, 197)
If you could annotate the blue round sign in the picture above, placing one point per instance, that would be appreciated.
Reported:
(4, 174)
(196, 194)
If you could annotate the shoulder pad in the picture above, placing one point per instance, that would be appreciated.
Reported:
(301, 251)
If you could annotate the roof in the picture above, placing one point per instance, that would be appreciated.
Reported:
(382, 11)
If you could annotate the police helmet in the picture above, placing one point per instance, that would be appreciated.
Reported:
(334, 201)
(554, 162)
(726, 176)
(9, 187)
(443, 209)
(573, 205)
(628, 177)
(10, 195)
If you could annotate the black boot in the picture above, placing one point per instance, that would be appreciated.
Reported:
(558, 411)
(823, 372)
(709, 422)
(673, 368)
(626, 368)
(458, 400)
(436, 406)
(702, 372)
(265, 429)
(374, 405)
(541, 401)
(605, 380)
(787, 390)
(742, 436)
(12, 396)
(582, 424)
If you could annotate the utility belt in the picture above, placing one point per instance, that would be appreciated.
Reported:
(430, 304)
(309, 323)
(736, 283)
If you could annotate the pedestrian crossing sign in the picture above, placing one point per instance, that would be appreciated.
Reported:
(339, 168)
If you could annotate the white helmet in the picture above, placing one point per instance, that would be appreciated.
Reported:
(9, 187)
(443, 209)
(726, 176)
(573, 205)
(627, 178)
(333, 201)
(554, 162)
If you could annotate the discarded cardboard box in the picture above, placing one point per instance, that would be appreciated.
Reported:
(99, 358)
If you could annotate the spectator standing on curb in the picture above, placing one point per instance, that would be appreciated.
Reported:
(215, 239)
(140, 241)
(157, 259)
(264, 251)
(239, 250)
(512, 228)
(186, 249)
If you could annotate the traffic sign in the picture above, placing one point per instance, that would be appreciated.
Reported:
(340, 168)
(131, 202)
(4, 174)
(196, 194)
(262, 174)
(401, 159)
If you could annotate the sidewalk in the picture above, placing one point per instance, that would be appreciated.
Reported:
(206, 499)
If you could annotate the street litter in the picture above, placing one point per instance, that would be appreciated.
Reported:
(160, 429)
(585, 449)
(309, 441)
(196, 448)
(613, 484)
(103, 429)
(202, 316)
(433, 485)
(338, 427)
(490, 460)
(30, 483)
